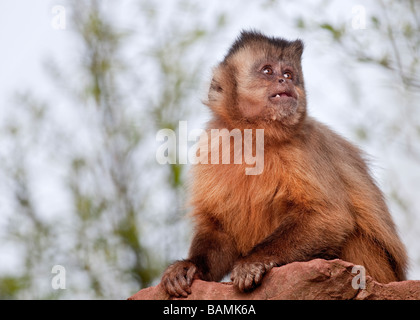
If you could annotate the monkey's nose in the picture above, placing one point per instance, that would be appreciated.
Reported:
(281, 80)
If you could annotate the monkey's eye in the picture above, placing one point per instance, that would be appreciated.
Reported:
(267, 70)
(288, 75)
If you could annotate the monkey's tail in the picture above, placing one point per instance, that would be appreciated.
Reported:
(385, 261)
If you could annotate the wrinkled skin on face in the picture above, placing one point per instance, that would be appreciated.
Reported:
(264, 82)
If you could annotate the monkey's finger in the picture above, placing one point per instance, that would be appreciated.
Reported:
(169, 287)
(258, 277)
(173, 287)
(270, 265)
(235, 279)
(179, 290)
(240, 283)
(190, 275)
(248, 281)
(245, 282)
(183, 283)
(180, 279)
(233, 276)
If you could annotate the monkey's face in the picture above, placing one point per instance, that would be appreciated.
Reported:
(260, 81)
(269, 88)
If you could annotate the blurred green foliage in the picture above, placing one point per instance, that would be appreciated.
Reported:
(112, 179)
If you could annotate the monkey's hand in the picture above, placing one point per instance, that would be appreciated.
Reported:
(246, 275)
(177, 279)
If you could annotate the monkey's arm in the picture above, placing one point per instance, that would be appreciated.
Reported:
(211, 256)
(300, 237)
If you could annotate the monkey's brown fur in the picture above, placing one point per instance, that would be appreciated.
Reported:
(314, 199)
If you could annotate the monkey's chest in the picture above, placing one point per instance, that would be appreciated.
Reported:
(251, 207)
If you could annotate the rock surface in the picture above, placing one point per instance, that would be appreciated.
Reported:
(313, 280)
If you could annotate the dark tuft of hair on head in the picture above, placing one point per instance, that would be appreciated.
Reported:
(248, 37)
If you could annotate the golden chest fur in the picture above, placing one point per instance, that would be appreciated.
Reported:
(250, 207)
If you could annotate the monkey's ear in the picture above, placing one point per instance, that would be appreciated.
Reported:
(298, 47)
(222, 91)
(216, 85)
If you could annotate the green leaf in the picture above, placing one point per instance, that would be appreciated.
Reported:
(335, 32)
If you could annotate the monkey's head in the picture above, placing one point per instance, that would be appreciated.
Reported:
(260, 82)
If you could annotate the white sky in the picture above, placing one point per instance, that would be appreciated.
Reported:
(27, 37)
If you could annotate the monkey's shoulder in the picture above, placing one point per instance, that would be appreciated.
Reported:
(319, 135)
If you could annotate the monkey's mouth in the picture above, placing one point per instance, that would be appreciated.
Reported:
(279, 96)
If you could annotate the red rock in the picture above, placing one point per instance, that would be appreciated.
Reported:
(313, 280)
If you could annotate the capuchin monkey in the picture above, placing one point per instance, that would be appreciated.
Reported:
(313, 199)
